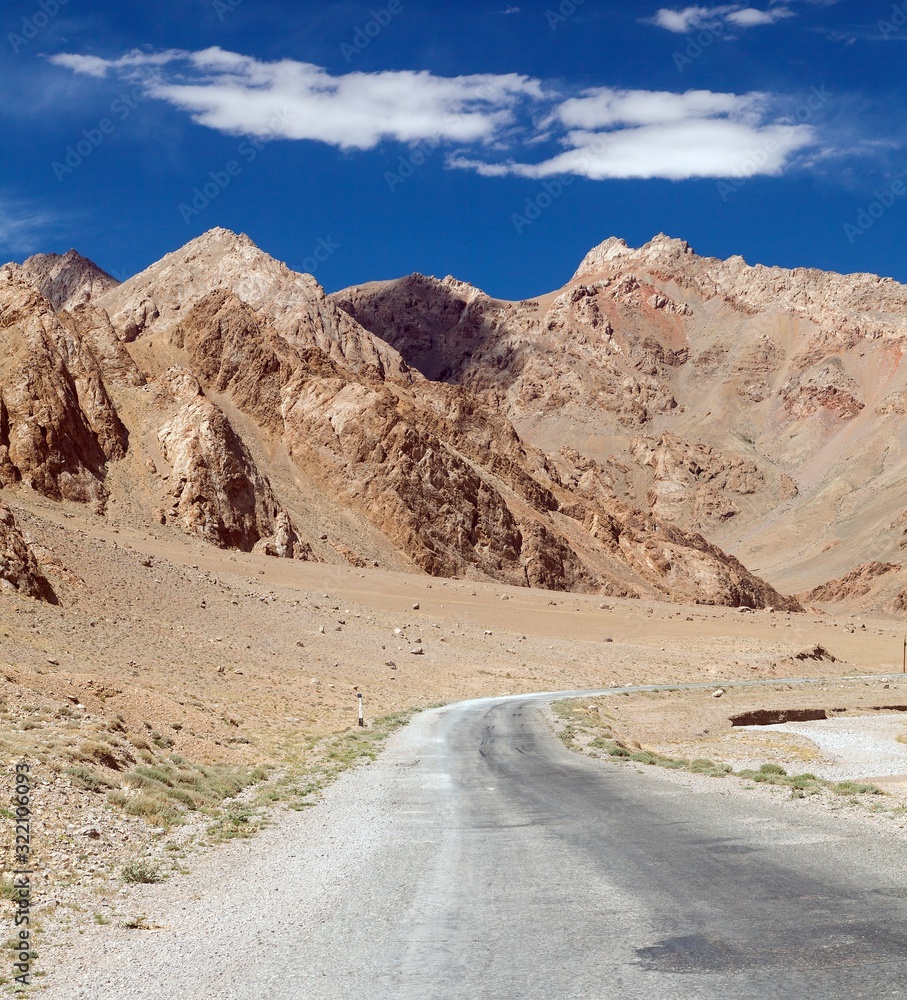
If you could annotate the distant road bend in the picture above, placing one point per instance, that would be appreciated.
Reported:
(478, 858)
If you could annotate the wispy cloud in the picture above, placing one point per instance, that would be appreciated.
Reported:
(737, 15)
(492, 123)
(23, 225)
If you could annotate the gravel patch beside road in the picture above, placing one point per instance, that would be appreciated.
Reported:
(852, 748)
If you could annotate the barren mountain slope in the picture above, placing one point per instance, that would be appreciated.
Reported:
(294, 304)
(441, 475)
(759, 405)
(68, 280)
(259, 414)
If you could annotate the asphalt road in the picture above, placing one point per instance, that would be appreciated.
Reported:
(478, 858)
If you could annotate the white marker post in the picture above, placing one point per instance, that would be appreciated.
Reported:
(361, 716)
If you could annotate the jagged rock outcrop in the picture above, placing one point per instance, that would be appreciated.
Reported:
(93, 327)
(58, 425)
(693, 483)
(68, 281)
(214, 488)
(859, 582)
(19, 570)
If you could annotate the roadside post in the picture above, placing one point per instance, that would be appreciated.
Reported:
(362, 717)
(904, 657)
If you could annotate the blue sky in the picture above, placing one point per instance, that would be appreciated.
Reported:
(497, 142)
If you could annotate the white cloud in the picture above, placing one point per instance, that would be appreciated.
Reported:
(738, 15)
(601, 133)
(295, 100)
(687, 19)
(677, 151)
(646, 134)
(749, 17)
(95, 66)
(605, 106)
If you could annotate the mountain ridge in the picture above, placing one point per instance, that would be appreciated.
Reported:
(561, 442)
(652, 356)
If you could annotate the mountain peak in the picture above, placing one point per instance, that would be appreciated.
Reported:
(67, 280)
(217, 259)
(614, 248)
(221, 237)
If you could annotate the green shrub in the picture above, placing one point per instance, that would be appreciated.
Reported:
(156, 773)
(8, 889)
(88, 778)
(155, 808)
(141, 872)
(856, 788)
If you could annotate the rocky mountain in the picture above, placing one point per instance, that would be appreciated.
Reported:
(760, 406)
(67, 281)
(222, 395)
(58, 425)
(19, 570)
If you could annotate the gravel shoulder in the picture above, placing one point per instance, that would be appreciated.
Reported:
(201, 934)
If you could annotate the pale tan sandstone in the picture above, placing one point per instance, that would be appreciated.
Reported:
(67, 281)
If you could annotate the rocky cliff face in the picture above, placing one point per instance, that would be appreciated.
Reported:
(19, 570)
(58, 425)
(223, 394)
(760, 406)
(214, 488)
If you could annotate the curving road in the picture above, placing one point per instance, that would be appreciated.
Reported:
(478, 858)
